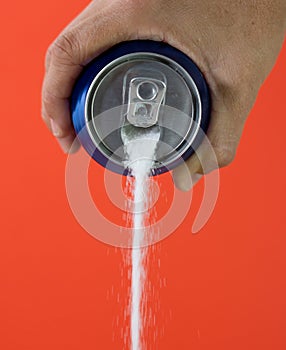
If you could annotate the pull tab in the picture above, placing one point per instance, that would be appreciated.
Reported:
(145, 98)
(144, 92)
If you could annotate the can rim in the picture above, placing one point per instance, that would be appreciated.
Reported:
(160, 50)
(193, 129)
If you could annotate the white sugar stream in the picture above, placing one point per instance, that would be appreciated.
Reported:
(140, 151)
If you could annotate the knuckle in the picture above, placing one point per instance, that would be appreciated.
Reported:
(64, 48)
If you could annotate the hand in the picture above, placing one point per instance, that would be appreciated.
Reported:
(234, 43)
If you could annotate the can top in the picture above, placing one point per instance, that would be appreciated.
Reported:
(140, 88)
(144, 84)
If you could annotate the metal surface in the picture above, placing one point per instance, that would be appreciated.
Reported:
(101, 103)
(176, 89)
(145, 98)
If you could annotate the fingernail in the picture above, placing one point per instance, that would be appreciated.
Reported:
(55, 128)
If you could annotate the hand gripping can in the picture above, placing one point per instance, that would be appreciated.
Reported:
(141, 84)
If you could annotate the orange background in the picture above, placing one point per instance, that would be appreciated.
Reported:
(62, 289)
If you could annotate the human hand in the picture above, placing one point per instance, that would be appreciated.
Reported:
(235, 45)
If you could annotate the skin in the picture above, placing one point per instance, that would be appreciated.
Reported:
(234, 43)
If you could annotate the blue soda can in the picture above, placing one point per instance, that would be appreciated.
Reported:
(142, 84)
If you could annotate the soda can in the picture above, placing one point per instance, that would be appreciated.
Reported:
(142, 84)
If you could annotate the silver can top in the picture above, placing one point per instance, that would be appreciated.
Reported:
(143, 90)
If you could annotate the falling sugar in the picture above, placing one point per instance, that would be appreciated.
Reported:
(140, 146)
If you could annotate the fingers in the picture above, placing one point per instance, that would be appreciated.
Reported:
(92, 32)
(55, 103)
(217, 150)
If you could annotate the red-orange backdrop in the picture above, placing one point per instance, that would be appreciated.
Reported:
(225, 287)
